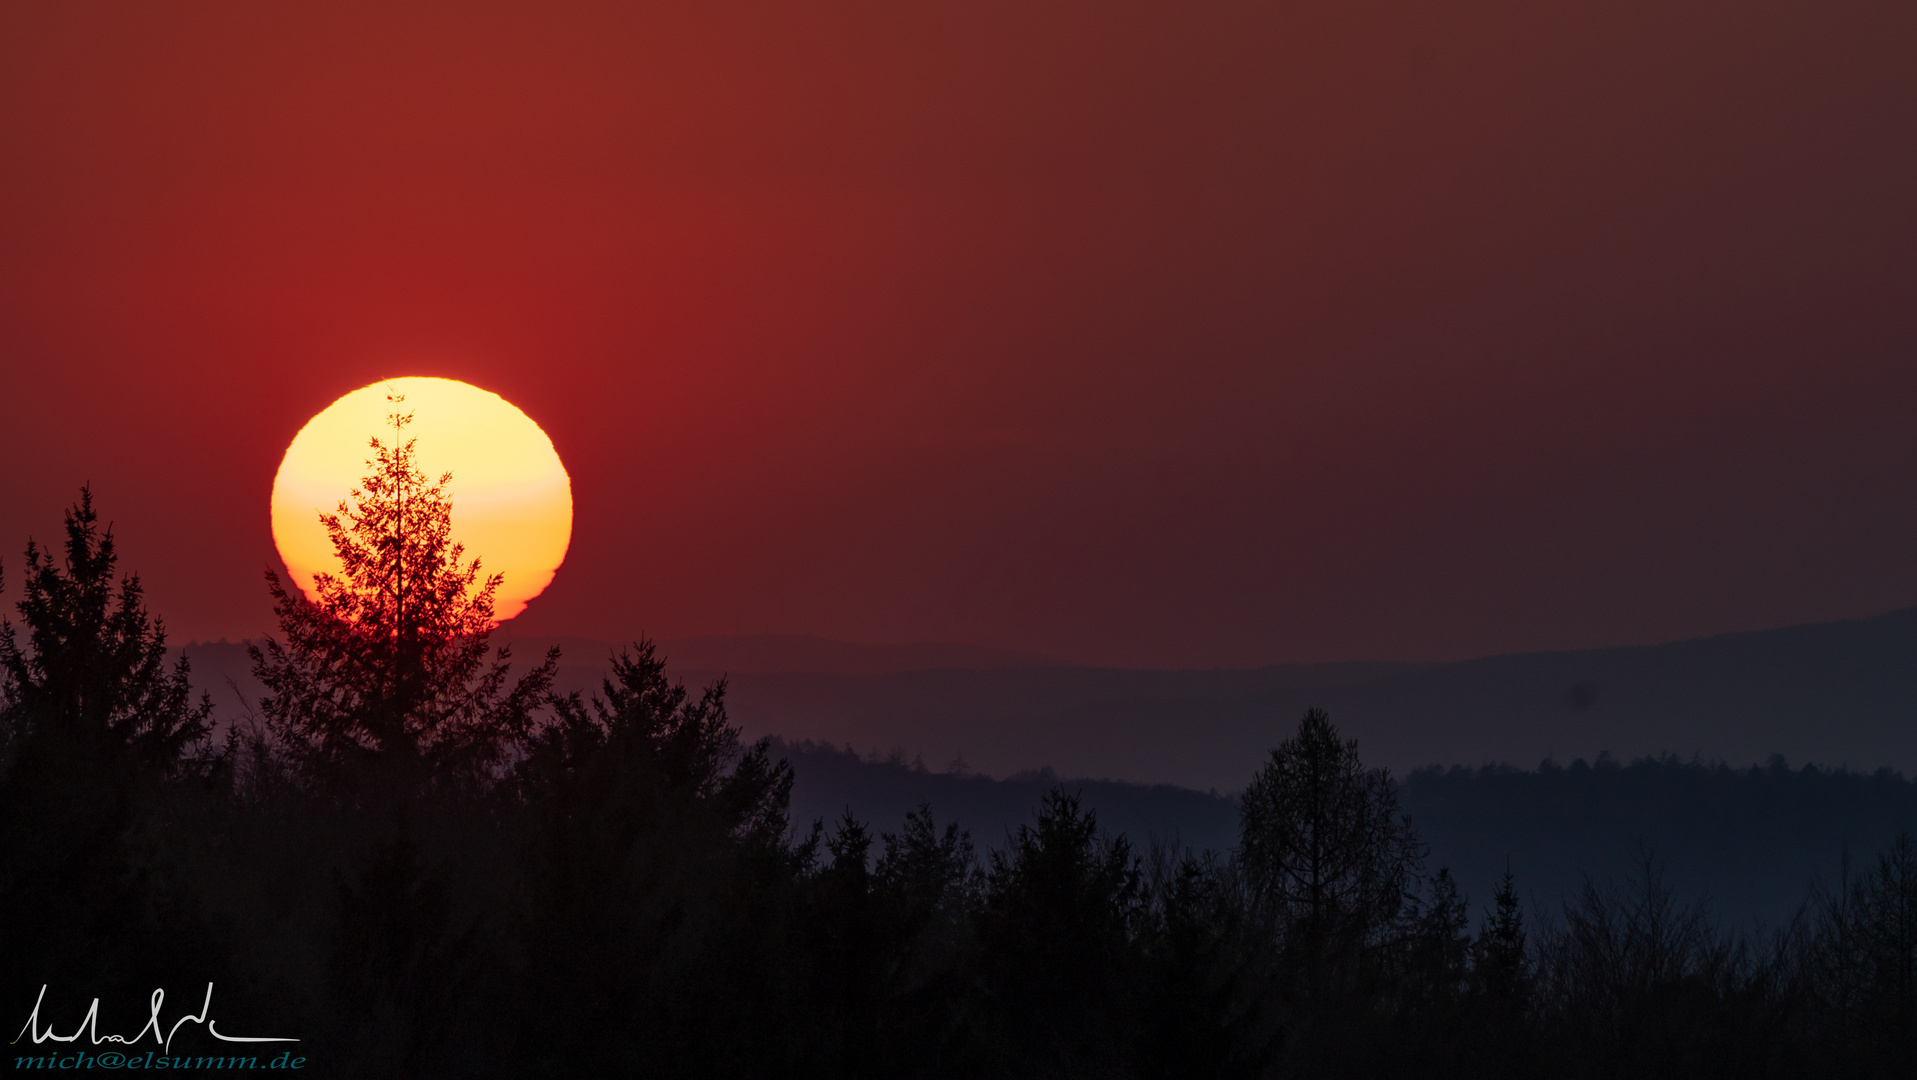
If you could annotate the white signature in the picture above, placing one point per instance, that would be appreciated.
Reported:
(90, 1025)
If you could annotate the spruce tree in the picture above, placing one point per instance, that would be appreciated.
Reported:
(1500, 962)
(651, 870)
(388, 673)
(98, 727)
(90, 687)
(1063, 907)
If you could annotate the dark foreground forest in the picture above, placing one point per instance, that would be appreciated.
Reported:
(419, 864)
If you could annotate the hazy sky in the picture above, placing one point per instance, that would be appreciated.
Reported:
(1167, 333)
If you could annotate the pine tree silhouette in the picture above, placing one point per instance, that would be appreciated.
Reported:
(1501, 966)
(928, 883)
(388, 672)
(1063, 906)
(650, 866)
(1438, 943)
(96, 724)
(1326, 855)
(91, 685)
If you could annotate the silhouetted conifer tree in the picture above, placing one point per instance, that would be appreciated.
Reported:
(1501, 963)
(1436, 947)
(1206, 1009)
(385, 697)
(894, 940)
(653, 885)
(930, 875)
(1496, 1037)
(645, 741)
(848, 947)
(930, 880)
(97, 724)
(1062, 907)
(91, 687)
(1326, 855)
(389, 671)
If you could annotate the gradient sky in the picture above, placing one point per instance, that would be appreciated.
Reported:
(1141, 333)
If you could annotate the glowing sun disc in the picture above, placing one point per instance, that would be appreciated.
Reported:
(512, 500)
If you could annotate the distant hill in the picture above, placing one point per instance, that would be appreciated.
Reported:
(1166, 744)
(1749, 843)
(780, 654)
(222, 667)
(1841, 693)
(878, 791)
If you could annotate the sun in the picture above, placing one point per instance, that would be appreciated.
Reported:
(512, 499)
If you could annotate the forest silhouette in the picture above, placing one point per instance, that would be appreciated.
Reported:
(421, 865)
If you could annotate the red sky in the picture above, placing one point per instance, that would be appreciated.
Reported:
(1170, 334)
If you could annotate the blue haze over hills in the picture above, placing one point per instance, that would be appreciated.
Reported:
(982, 733)
(1838, 694)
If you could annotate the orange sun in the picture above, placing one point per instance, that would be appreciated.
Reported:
(512, 500)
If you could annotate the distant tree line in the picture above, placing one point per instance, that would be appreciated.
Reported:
(1751, 839)
(422, 866)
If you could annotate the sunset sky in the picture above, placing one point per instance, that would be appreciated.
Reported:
(1135, 333)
